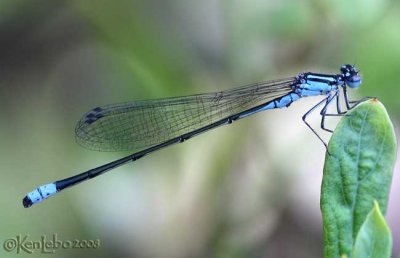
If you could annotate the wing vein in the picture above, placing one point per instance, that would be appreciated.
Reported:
(139, 124)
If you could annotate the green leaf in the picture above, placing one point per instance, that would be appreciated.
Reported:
(357, 172)
(374, 239)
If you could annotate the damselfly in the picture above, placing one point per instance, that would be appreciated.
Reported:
(149, 125)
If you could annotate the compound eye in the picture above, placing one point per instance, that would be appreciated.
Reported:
(345, 70)
(354, 81)
(350, 75)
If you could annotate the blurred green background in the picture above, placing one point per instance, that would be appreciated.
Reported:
(250, 189)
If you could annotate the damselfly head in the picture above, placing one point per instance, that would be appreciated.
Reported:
(350, 75)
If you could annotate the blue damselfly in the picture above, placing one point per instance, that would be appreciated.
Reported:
(149, 125)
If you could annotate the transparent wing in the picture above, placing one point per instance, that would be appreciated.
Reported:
(139, 124)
